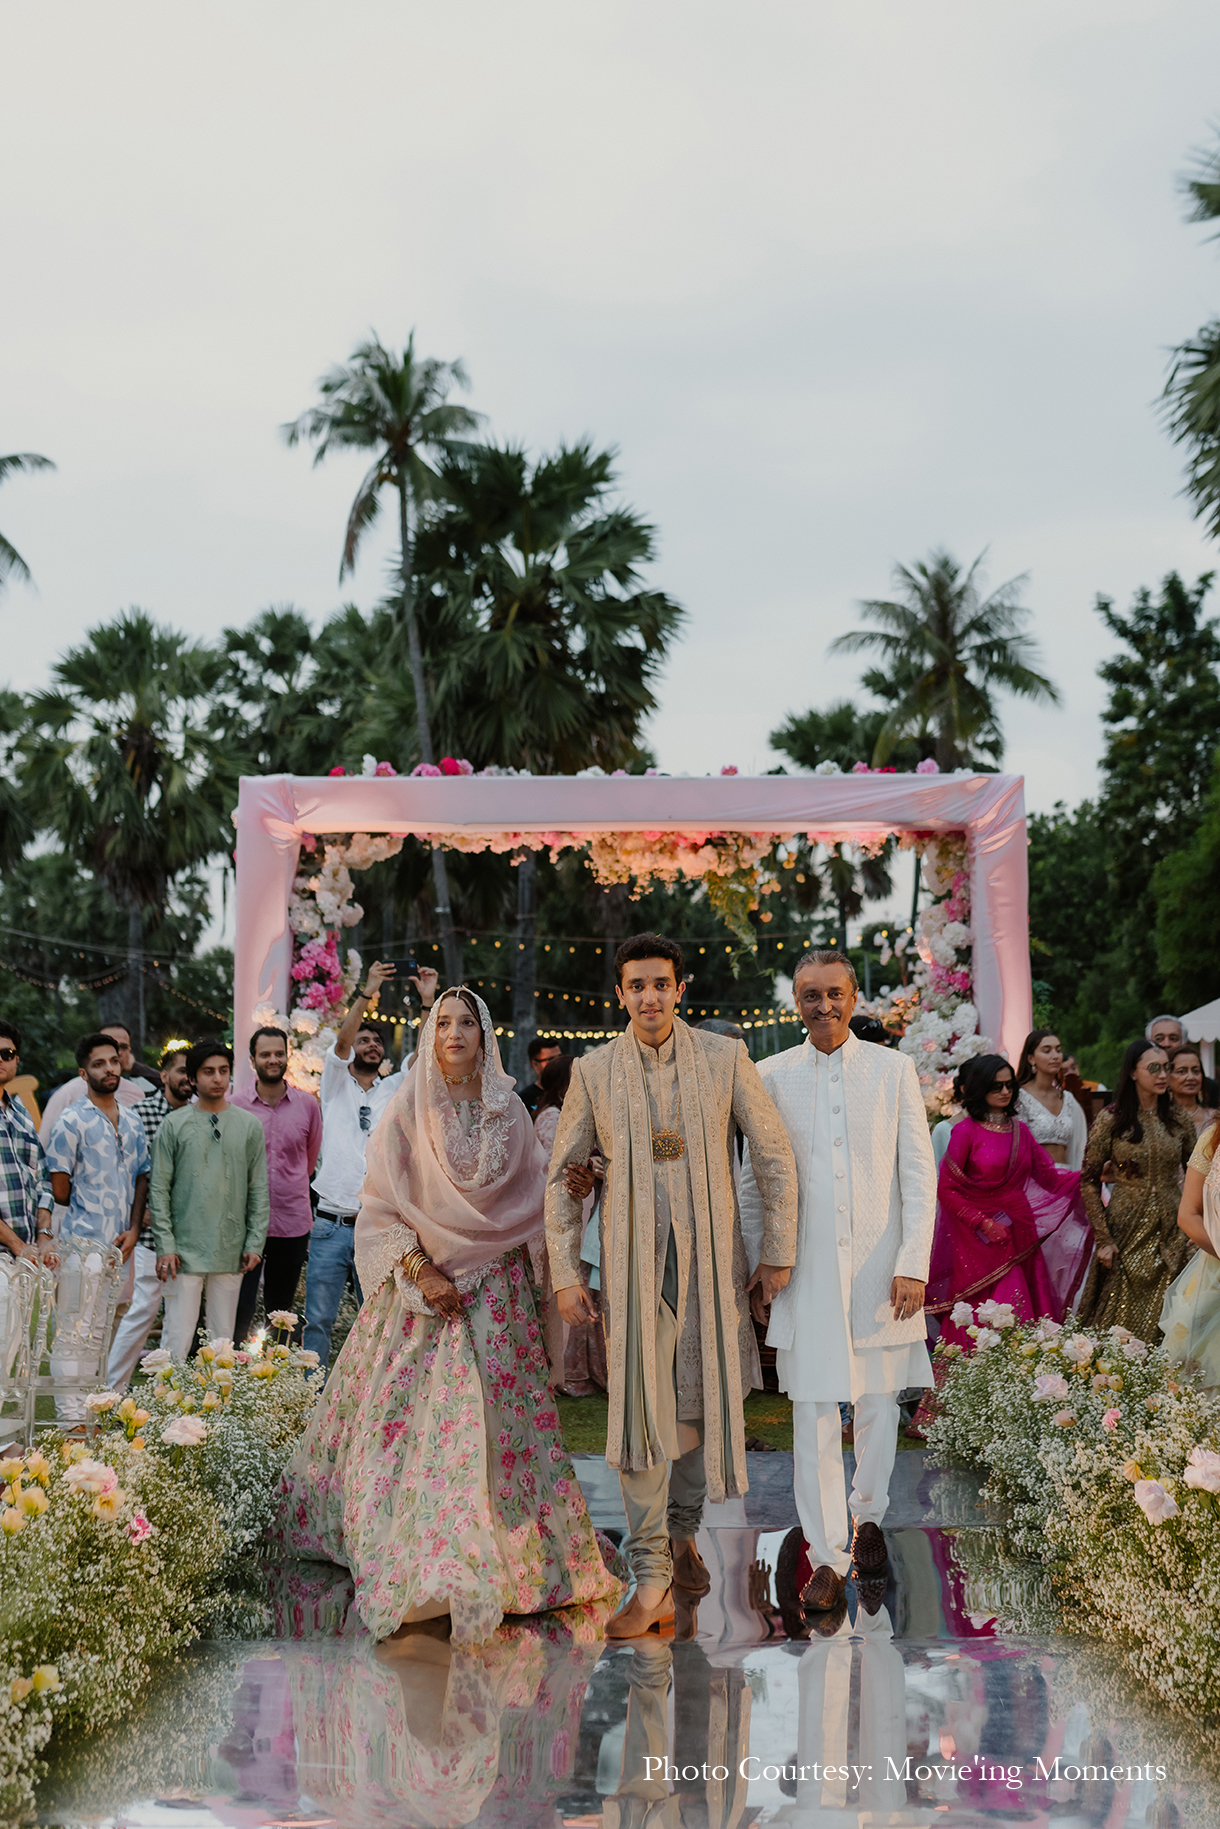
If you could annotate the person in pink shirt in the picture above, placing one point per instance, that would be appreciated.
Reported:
(292, 1125)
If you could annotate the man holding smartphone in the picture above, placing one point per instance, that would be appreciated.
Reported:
(354, 1094)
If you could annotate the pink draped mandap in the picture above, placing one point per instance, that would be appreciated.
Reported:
(274, 812)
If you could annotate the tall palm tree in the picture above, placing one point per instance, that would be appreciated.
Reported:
(555, 645)
(397, 406)
(1192, 391)
(12, 565)
(118, 764)
(946, 650)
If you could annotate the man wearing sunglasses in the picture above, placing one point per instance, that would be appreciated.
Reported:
(25, 1185)
(209, 1202)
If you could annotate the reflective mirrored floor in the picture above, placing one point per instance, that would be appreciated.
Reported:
(914, 1704)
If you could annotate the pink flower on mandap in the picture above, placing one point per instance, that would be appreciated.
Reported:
(1156, 1504)
(1051, 1384)
(927, 767)
(861, 768)
(449, 765)
(730, 769)
(339, 770)
(425, 768)
(385, 768)
(1110, 1421)
(138, 1527)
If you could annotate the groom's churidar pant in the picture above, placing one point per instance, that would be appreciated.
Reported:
(821, 1498)
(665, 1501)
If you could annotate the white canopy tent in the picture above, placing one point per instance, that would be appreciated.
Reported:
(1203, 1026)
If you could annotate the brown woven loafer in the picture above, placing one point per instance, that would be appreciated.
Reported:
(690, 1570)
(868, 1550)
(823, 1590)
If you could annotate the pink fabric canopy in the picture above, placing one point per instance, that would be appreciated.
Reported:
(275, 811)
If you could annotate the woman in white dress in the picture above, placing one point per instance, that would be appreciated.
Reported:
(1056, 1119)
(1190, 1319)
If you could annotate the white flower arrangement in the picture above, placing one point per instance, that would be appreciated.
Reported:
(1109, 1464)
(116, 1552)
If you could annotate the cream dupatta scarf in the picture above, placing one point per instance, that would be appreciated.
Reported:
(632, 1437)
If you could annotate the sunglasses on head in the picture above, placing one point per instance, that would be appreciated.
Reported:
(8, 1054)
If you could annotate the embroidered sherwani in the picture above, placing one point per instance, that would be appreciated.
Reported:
(699, 1358)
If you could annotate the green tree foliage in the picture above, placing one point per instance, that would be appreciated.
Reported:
(1161, 723)
(1192, 392)
(118, 766)
(17, 463)
(396, 406)
(1186, 885)
(844, 733)
(946, 652)
(1071, 920)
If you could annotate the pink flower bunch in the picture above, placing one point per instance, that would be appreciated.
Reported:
(731, 769)
(927, 767)
(385, 768)
(138, 1527)
(456, 765)
(337, 770)
(862, 768)
(319, 963)
(425, 768)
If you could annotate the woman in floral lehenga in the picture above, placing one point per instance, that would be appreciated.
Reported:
(1139, 1147)
(1190, 1319)
(434, 1467)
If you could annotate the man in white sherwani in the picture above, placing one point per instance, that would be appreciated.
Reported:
(849, 1325)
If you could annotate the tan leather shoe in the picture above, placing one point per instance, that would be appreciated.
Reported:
(824, 1589)
(868, 1548)
(635, 1620)
(690, 1570)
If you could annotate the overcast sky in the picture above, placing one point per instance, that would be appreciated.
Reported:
(841, 281)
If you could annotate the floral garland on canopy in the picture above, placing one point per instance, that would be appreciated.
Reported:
(935, 1015)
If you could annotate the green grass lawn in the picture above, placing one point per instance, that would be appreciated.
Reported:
(768, 1417)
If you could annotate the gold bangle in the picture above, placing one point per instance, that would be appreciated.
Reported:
(415, 1262)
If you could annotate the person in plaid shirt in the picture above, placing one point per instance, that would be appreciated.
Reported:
(25, 1185)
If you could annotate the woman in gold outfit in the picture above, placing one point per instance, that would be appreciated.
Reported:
(1139, 1145)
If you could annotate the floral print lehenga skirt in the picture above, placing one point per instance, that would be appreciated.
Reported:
(435, 1470)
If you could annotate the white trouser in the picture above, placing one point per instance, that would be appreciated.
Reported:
(182, 1298)
(818, 1474)
(137, 1322)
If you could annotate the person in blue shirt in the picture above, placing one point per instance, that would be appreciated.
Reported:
(97, 1155)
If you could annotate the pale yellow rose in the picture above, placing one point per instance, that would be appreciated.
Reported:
(33, 1501)
(207, 1354)
(11, 1468)
(38, 1467)
(109, 1504)
(225, 1358)
(212, 1400)
(137, 1442)
(281, 1352)
(19, 1689)
(127, 1409)
(46, 1678)
(1132, 1470)
(11, 1520)
(263, 1368)
(140, 1417)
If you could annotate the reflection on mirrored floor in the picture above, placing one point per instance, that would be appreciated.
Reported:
(915, 1703)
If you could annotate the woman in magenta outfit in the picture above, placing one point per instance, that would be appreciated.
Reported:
(1010, 1224)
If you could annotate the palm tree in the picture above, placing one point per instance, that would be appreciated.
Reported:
(118, 764)
(555, 645)
(397, 406)
(1192, 392)
(12, 565)
(946, 649)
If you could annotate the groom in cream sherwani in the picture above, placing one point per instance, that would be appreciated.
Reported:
(849, 1325)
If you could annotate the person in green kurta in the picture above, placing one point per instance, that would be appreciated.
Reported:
(663, 1103)
(209, 1202)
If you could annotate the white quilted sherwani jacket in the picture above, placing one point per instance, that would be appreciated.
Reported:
(893, 1186)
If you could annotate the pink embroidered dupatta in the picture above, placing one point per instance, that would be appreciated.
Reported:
(1003, 1205)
